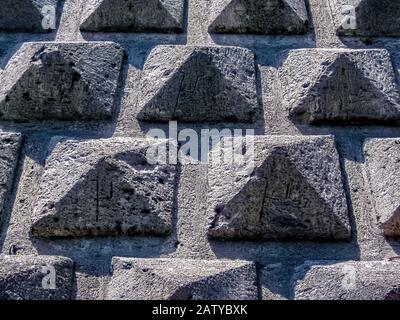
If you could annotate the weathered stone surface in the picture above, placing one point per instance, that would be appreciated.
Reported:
(70, 193)
(62, 81)
(175, 279)
(372, 18)
(31, 278)
(259, 16)
(340, 86)
(382, 157)
(358, 280)
(294, 192)
(10, 144)
(104, 187)
(164, 16)
(196, 84)
(24, 15)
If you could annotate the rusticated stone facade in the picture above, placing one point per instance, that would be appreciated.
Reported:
(85, 214)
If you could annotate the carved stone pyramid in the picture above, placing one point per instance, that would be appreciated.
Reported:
(104, 188)
(24, 15)
(382, 157)
(164, 16)
(370, 18)
(352, 280)
(196, 84)
(340, 86)
(175, 279)
(10, 144)
(61, 81)
(29, 278)
(295, 191)
(259, 16)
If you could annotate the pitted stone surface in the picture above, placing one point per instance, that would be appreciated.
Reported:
(165, 16)
(358, 280)
(104, 187)
(10, 144)
(91, 200)
(370, 18)
(259, 16)
(382, 157)
(31, 278)
(61, 81)
(295, 191)
(340, 86)
(176, 279)
(25, 15)
(196, 84)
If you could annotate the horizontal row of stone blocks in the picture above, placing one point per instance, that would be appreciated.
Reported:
(51, 277)
(371, 17)
(292, 189)
(80, 81)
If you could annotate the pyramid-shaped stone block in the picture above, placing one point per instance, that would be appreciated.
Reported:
(27, 15)
(162, 16)
(104, 187)
(176, 279)
(31, 278)
(344, 87)
(353, 280)
(10, 144)
(367, 18)
(61, 81)
(382, 158)
(294, 191)
(194, 84)
(259, 17)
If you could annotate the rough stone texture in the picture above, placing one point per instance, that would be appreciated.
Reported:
(176, 279)
(373, 18)
(259, 16)
(24, 278)
(199, 84)
(366, 280)
(163, 16)
(10, 144)
(24, 15)
(104, 187)
(294, 192)
(189, 239)
(61, 81)
(382, 157)
(340, 86)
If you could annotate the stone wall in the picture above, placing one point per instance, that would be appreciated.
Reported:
(84, 215)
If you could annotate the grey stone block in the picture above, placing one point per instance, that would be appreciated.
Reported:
(354, 280)
(10, 144)
(340, 86)
(164, 16)
(259, 16)
(197, 84)
(35, 278)
(373, 18)
(61, 81)
(382, 157)
(104, 187)
(295, 191)
(25, 15)
(176, 279)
